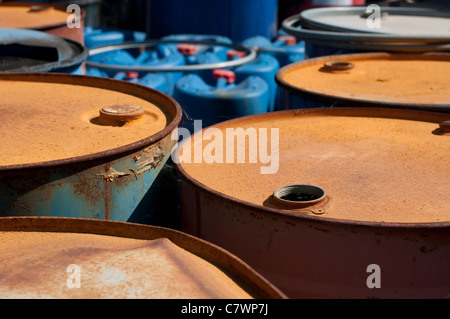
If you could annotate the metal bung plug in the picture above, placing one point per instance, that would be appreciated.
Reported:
(121, 112)
(445, 126)
(299, 195)
(338, 66)
(39, 8)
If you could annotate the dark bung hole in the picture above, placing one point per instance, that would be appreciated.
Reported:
(299, 194)
(338, 66)
(299, 197)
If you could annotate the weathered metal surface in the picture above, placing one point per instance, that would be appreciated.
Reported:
(35, 51)
(107, 184)
(183, 266)
(27, 19)
(329, 31)
(312, 252)
(411, 85)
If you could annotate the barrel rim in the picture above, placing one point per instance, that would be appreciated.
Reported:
(44, 27)
(310, 16)
(77, 59)
(432, 56)
(208, 251)
(347, 111)
(140, 91)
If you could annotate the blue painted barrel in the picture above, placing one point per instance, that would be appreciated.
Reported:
(24, 50)
(77, 152)
(235, 19)
(225, 100)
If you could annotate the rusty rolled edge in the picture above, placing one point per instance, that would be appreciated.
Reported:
(417, 115)
(168, 106)
(351, 102)
(246, 276)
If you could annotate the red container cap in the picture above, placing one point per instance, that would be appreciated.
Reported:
(132, 75)
(233, 53)
(230, 76)
(187, 49)
(290, 40)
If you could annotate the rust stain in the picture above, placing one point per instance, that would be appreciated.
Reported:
(367, 80)
(107, 262)
(149, 158)
(51, 109)
(375, 165)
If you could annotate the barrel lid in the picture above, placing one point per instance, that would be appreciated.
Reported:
(415, 81)
(398, 21)
(117, 260)
(34, 51)
(36, 16)
(50, 119)
(350, 165)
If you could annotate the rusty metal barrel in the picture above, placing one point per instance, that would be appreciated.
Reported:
(34, 51)
(384, 80)
(55, 19)
(71, 258)
(372, 28)
(327, 202)
(79, 146)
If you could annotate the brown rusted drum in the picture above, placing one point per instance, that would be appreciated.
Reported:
(49, 18)
(355, 204)
(71, 258)
(384, 80)
(80, 146)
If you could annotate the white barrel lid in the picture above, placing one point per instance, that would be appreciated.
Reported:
(393, 20)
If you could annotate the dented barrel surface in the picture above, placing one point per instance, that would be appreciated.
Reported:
(79, 146)
(49, 18)
(166, 264)
(409, 81)
(336, 191)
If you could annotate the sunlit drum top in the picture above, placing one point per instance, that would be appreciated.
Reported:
(52, 117)
(375, 165)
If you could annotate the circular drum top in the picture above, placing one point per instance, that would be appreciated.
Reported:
(33, 16)
(53, 117)
(398, 21)
(400, 80)
(371, 165)
(43, 257)
(24, 50)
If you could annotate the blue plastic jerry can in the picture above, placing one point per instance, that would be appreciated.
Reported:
(155, 81)
(264, 66)
(223, 101)
(164, 56)
(101, 36)
(96, 72)
(194, 50)
(285, 48)
(116, 57)
(94, 37)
